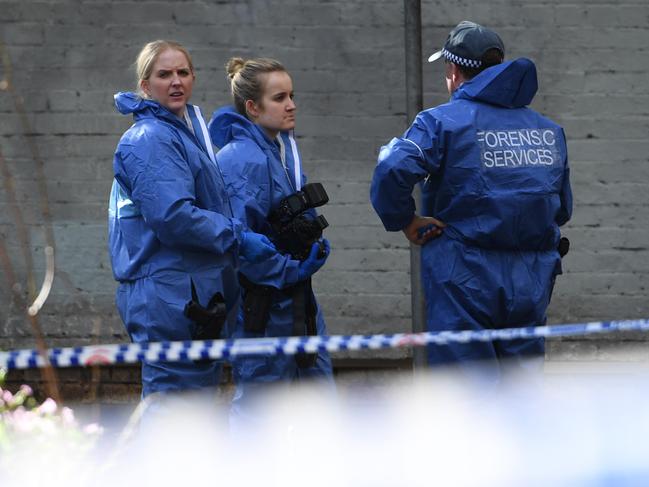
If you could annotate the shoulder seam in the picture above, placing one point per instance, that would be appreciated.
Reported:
(418, 148)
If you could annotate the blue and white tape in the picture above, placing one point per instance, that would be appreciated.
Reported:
(224, 349)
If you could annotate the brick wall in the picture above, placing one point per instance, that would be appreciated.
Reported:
(58, 130)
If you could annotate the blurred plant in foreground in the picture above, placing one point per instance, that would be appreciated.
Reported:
(40, 440)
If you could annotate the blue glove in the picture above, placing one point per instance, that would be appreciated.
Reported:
(312, 263)
(256, 247)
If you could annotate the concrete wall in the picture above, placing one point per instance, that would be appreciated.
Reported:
(63, 60)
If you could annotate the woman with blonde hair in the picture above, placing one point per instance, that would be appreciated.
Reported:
(173, 241)
(261, 166)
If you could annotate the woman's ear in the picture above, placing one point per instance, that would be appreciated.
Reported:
(252, 109)
(144, 86)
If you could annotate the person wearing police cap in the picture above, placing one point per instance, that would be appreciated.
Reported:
(495, 189)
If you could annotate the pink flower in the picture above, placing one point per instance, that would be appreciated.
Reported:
(26, 390)
(48, 407)
(7, 396)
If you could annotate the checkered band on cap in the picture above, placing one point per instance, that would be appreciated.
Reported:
(469, 63)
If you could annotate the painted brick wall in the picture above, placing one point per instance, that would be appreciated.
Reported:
(58, 129)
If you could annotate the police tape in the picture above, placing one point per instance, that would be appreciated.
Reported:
(227, 349)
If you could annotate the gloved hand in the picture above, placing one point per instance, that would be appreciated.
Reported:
(312, 263)
(256, 247)
(423, 228)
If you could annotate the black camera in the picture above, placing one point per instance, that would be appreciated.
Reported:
(311, 196)
(295, 231)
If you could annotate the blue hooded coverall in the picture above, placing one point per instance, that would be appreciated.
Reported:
(259, 173)
(170, 224)
(496, 173)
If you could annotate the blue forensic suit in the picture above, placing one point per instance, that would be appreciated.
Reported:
(496, 173)
(170, 225)
(259, 173)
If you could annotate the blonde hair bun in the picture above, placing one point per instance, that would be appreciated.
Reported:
(234, 65)
(246, 80)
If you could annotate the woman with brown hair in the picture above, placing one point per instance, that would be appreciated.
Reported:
(261, 166)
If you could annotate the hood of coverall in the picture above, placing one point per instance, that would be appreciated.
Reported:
(511, 84)
(128, 102)
(227, 124)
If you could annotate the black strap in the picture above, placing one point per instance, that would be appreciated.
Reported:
(194, 294)
(256, 310)
(257, 301)
(304, 319)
